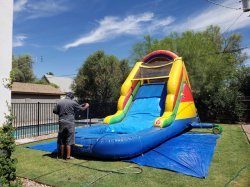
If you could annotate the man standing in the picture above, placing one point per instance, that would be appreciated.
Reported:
(66, 110)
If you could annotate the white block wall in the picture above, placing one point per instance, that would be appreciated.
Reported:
(6, 25)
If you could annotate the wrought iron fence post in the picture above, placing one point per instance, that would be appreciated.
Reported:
(89, 116)
(38, 119)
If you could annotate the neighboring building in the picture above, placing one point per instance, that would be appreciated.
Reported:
(31, 93)
(6, 27)
(64, 83)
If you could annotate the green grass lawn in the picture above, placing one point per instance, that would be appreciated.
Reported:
(231, 154)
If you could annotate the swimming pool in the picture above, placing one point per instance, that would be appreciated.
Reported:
(38, 130)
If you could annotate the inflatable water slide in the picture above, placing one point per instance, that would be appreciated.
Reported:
(155, 104)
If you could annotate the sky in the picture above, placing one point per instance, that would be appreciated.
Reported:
(61, 34)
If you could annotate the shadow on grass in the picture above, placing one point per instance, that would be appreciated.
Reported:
(78, 157)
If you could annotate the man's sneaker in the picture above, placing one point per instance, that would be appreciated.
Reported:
(70, 158)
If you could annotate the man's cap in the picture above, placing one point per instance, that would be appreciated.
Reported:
(70, 95)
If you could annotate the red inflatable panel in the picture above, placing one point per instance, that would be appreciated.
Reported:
(187, 94)
(129, 93)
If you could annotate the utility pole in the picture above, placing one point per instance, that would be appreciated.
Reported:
(246, 5)
(6, 26)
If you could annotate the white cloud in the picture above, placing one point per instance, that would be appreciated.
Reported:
(32, 9)
(111, 27)
(18, 40)
(19, 5)
(247, 51)
(215, 15)
(159, 25)
(148, 23)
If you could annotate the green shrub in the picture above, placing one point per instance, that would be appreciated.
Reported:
(7, 146)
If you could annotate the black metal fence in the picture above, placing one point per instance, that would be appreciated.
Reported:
(246, 111)
(34, 119)
(99, 110)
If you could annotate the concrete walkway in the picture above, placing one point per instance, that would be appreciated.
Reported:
(246, 128)
(35, 139)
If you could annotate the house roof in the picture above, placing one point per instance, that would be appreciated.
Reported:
(29, 88)
(64, 83)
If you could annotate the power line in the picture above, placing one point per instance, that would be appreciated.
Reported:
(68, 75)
(234, 3)
(223, 52)
(215, 3)
(233, 23)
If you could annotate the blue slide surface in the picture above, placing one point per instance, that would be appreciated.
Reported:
(147, 106)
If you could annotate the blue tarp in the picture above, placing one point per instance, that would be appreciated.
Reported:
(48, 146)
(189, 154)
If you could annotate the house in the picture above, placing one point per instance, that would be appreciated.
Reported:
(64, 83)
(32, 93)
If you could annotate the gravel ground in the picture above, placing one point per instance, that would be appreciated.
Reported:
(30, 183)
(246, 128)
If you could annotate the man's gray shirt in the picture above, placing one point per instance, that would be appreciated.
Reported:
(66, 109)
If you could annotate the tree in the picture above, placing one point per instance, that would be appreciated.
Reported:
(243, 77)
(212, 61)
(140, 49)
(100, 77)
(22, 69)
(50, 73)
(125, 69)
(44, 82)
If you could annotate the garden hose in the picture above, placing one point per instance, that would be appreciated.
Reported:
(118, 171)
(237, 174)
(108, 172)
(35, 178)
(217, 129)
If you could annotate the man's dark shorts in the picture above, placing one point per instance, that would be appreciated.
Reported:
(66, 134)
